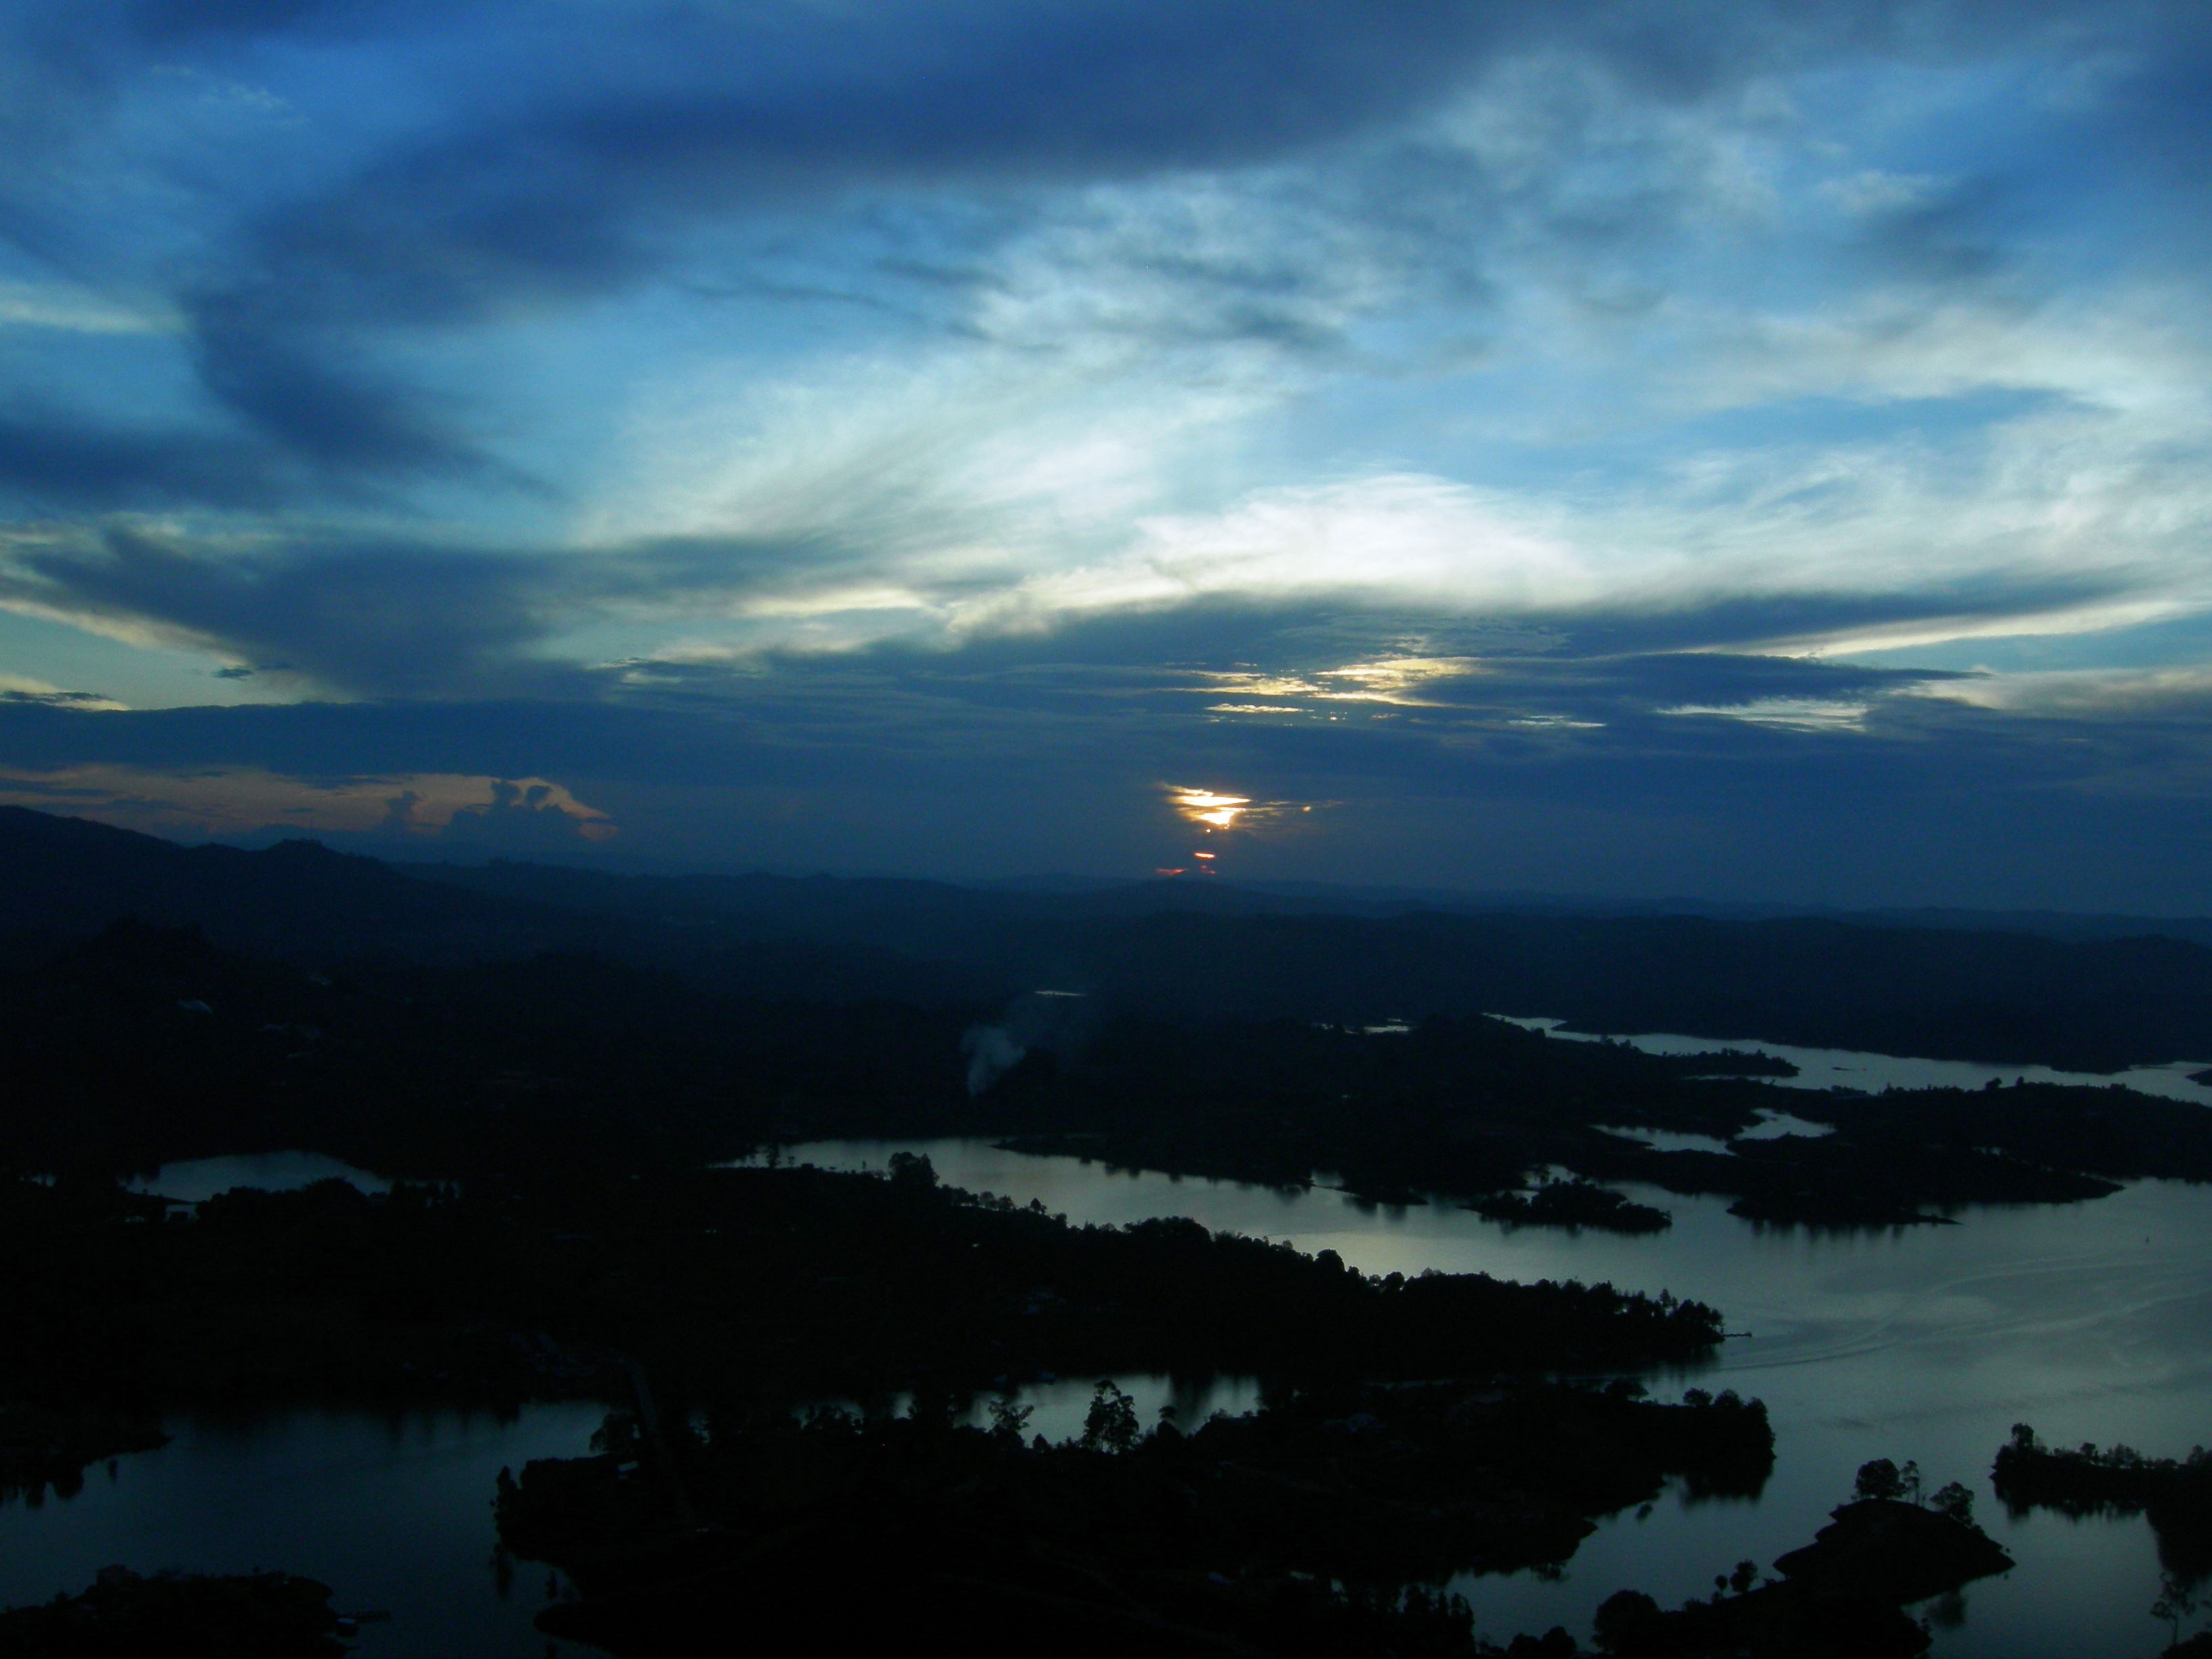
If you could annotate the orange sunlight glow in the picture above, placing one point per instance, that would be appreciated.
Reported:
(1204, 806)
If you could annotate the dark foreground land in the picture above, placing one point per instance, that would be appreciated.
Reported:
(1310, 1528)
(711, 1304)
(123, 1615)
(143, 1045)
(751, 1287)
(555, 1075)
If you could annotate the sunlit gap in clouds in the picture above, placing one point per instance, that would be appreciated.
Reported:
(1214, 812)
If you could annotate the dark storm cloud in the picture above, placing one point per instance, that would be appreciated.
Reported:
(1309, 634)
(567, 186)
(286, 387)
(338, 198)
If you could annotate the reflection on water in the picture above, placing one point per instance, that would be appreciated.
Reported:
(1058, 1405)
(1772, 1126)
(392, 1510)
(1848, 1069)
(1669, 1140)
(2092, 1321)
(1780, 1125)
(202, 1178)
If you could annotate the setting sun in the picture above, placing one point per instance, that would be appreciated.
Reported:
(1203, 806)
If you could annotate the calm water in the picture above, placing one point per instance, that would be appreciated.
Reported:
(1849, 1068)
(391, 1511)
(2093, 1322)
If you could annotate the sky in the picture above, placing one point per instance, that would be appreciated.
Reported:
(1739, 450)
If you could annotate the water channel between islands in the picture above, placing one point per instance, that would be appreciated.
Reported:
(2092, 1321)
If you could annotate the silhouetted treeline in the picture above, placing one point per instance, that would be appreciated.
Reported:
(1900, 1154)
(1573, 1204)
(50, 1445)
(125, 1615)
(787, 1283)
(1838, 1597)
(1308, 1528)
(1470, 1107)
(144, 1045)
(2174, 1495)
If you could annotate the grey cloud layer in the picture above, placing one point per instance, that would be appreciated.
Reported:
(395, 616)
(1934, 801)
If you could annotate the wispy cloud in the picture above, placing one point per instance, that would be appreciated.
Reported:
(1380, 398)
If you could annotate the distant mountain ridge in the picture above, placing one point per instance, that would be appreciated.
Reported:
(68, 876)
(1181, 949)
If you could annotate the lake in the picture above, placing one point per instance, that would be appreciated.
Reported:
(392, 1509)
(2093, 1322)
(1870, 1074)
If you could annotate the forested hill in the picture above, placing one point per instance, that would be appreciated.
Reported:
(1178, 949)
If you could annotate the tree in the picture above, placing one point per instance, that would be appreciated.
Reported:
(1879, 1479)
(1955, 1501)
(2176, 1604)
(913, 1170)
(1111, 1422)
(1621, 1617)
(1009, 1419)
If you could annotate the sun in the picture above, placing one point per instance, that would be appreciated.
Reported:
(1216, 811)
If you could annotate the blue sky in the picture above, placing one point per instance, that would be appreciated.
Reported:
(1752, 451)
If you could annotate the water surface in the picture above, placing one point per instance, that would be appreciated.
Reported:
(392, 1509)
(1870, 1074)
(2092, 1321)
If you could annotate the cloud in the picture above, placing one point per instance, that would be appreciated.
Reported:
(514, 179)
(530, 816)
(1537, 772)
(13, 687)
(393, 617)
(899, 423)
(54, 462)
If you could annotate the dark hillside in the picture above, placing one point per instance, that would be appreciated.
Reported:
(1171, 950)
